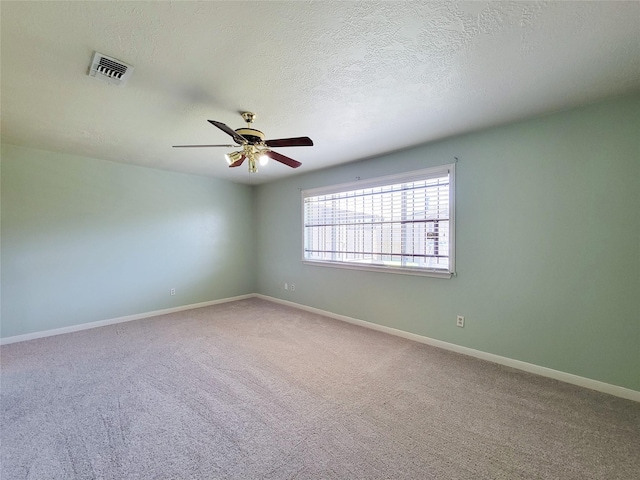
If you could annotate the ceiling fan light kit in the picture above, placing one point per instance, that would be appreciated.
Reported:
(233, 157)
(255, 148)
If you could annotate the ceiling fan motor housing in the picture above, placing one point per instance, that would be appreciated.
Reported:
(251, 134)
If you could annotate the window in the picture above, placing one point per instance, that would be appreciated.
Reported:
(401, 223)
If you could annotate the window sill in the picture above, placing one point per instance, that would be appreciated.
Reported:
(381, 269)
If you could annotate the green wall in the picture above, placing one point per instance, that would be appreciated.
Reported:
(547, 227)
(86, 240)
(548, 245)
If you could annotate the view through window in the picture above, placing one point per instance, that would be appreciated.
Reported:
(398, 223)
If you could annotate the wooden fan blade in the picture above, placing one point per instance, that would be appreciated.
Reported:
(203, 146)
(282, 159)
(240, 140)
(238, 162)
(290, 142)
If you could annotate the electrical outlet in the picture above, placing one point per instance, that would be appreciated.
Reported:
(286, 286)
(173, 291)
(293, 287)
(460, 321)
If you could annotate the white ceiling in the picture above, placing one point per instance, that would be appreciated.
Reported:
(359, 78)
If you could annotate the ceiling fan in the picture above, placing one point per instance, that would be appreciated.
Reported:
(254, 147)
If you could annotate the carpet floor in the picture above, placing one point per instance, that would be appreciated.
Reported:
(257, 390)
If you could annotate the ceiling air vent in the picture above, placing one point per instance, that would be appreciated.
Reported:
(109, 69)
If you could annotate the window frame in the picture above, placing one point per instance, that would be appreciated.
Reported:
(387, 180)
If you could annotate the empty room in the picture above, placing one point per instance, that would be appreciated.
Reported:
(319, 240)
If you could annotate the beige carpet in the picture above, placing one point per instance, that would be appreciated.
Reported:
(256, 390)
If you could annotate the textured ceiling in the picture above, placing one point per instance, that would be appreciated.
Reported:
(359, 78)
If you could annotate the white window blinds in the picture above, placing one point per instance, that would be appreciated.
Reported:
(403, 222)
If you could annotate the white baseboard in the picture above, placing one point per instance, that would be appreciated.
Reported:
(524, 366)
(111, 321)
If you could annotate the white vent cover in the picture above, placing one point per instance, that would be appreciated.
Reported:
(109, 69)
